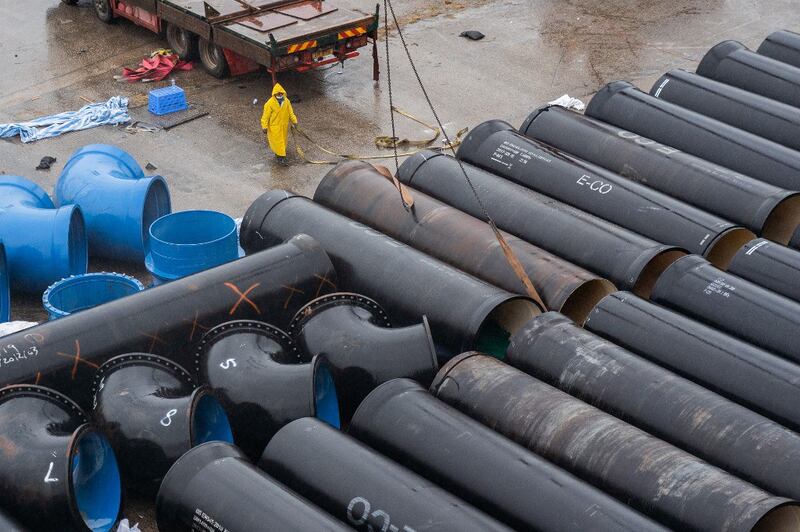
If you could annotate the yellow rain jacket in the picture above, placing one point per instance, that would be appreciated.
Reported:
(275, 120)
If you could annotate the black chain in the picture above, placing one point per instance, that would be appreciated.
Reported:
(389, 83)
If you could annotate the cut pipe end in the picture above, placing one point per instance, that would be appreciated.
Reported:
(496, 330)
(326, 400)
(94, 480)
(652, 271)
(785, 518)
(720, 253)
(710, 62)
(84, 291)
(208, 419)
(783, 221)
(582, 300)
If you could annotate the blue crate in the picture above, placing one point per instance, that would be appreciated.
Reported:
(166, 100)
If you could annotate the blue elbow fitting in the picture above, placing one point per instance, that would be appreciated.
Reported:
(5, 288)
(118, 201)
(42, 244)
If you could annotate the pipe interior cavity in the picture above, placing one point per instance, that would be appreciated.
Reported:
(653, 270)
(156, 205)
(209, 421)
(87, 291)
(193, 227)
(502, 323)
(721, 253)
(581, 302)
(784, 518)
(326, 401)
(783, 220)
(96, 482)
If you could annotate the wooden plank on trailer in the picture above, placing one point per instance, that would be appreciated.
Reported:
(267, 22)
(307, 10)
(323, 25)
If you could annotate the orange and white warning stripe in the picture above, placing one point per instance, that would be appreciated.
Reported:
(302, 46)
(352, 32)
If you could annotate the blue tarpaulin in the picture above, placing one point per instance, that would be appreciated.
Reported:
(114, 111)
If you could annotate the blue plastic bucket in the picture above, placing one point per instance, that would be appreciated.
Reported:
(81, 292)
(187, 242)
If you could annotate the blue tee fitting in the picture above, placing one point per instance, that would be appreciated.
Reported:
(118, 201)
(42, 244)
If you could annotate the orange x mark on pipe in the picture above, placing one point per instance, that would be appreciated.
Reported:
(243, 297)
(77, 358)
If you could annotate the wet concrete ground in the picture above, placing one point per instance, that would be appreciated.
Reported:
(54, 57)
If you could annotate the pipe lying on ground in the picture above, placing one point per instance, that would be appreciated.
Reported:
(731, 304)
(623, 105)
(214, 487)
(751, 112)
(401, 420)
(165, 320)
(5, 287)
(256, 371)
(87, 290)
(769, 265)
(678, 489)
(763, 208)
(554, 349)
(627, 259)
(733, 63)
(361, 193)
(42, 244)
(152, 412)
(57, 472)
(355, 336)
(496, 147)
(753, 377)
(463, 311)
(118, 201)
(783, 46)
(361, 487)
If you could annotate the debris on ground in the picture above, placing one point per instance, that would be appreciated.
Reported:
(154, 68)
(45, 163)
(568, 102)
(150, 166)
(472, 35)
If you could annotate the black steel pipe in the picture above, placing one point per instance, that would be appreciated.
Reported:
(627, 259)
(496, 147)
(771, 119)
(671, 485)
(152, 412)
(782, 45)
(361, 487)
(401, 420)
(733, 63)
(463, 311)
(57, 472)
(551, 347)
(731, 304)
(355, 335)
(751, 376)
(215, 487)
(769, 265)
(433, 227)
(623, 105)
(264, 381)
(765, 209)
(167, 319)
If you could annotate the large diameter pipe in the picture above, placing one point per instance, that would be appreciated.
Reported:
(763, 208)
(401, 420)
(167, 319)
(554, 349)
(733, 63)
(751, 376)
(623, 105)
(627, 259)
(463, 311)
(782, 45)
(739, 108)
(361, 193)
(671, 485)
(496, 147)
(731, 304)
(769, 265)
(214, 487)
(361, 487)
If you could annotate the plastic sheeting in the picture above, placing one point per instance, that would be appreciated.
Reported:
(114, 111)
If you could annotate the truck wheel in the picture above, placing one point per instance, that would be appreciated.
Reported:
(182, 42)
(102, 9)
(213, 59)
(69, 2)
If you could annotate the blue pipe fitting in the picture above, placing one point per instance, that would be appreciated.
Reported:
(5, 288)
(118, 201)
(188, 242)
(42, 244)
(81, 292)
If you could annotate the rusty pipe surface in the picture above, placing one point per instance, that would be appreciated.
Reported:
(627, 259)
(496, 147)
(360, 192)
(166, 320)
(551, 347)
(463, 311)
(667, 483)
(751, 376)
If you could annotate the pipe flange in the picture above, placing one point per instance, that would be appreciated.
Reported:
(335, 300)
(235, 326)
(52, 310)
(137, 358)
(16, 390)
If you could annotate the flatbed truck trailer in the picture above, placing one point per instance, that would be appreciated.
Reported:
(240, 36)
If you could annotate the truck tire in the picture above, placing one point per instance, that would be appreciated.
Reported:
(102, 9)
(213, 58)
(181, 41)
(69, 2)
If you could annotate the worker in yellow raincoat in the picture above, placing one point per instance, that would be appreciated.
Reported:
(275, 120)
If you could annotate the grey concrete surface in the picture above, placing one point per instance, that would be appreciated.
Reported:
(54, 57)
